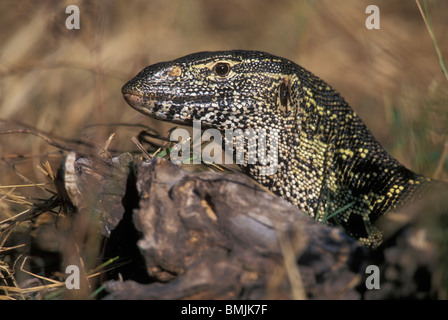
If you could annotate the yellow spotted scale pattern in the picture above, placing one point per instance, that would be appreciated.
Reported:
(329, 164)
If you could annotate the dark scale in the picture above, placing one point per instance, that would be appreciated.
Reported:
(325, 151)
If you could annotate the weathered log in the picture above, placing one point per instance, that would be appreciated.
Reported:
(221, 236)
(211, 235)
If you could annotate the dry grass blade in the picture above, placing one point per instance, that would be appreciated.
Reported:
(29, 214)
(25, 185)
(47, 170)
(13, 292)
(4, 249)
(442, 158)
(142, 149)
(290, 252)
(425, 17)
(104, 150)
(10, 286)
(68, 145)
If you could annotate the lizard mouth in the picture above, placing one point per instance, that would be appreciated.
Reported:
(139, 102)
(152, 106)
(135, 99)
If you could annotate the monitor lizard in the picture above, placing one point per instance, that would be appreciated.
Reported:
(329, 164)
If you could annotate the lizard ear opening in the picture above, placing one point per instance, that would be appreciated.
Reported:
(284, 93)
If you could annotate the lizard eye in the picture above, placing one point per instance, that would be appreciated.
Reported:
(222, 69)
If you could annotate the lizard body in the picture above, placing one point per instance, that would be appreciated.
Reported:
(328, 161)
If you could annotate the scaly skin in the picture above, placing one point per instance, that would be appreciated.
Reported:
(327, 158)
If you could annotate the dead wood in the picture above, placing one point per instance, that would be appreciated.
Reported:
(221, 236)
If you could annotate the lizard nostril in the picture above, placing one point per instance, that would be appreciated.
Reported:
(175, 71)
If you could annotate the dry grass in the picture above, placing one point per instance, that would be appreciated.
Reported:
(64, 85)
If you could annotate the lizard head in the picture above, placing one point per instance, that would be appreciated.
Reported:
(224, 90)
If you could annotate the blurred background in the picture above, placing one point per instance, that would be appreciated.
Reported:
(67, 83)
(61, 81)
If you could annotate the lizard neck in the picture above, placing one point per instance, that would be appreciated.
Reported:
(335, 171)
